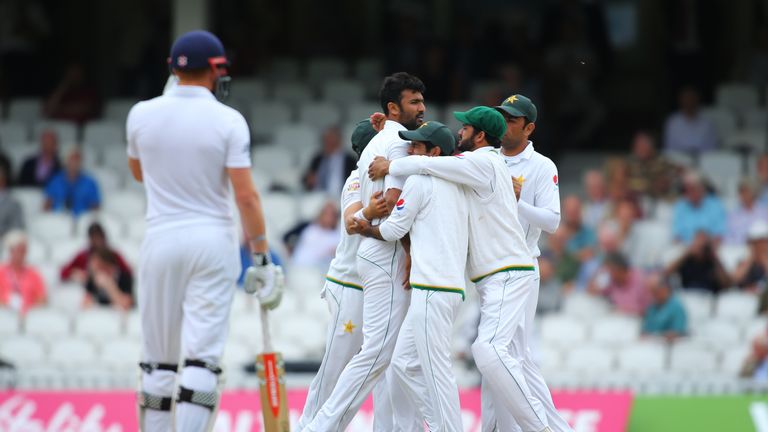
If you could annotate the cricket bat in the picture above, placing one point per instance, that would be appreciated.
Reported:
(270, 369)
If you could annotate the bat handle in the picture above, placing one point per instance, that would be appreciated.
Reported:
(266, 335)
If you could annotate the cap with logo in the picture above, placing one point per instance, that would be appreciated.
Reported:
(484, 118)
(362, 135)
(198, 49)
(433, 132)
(519, 106)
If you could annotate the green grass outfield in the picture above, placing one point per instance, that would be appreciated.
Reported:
(699, 414)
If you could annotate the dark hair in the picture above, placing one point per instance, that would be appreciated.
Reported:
(393, 86)
(96, 229)
(492, 140)
(617, 259)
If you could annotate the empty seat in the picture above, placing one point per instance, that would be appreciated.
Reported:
(37, 251)
(724, 120)
(753, 140)
(22, 350)
(343, 92)
(737, 306)
(563, 330)
(237, 354)
(62, 251)
(13, 132)
(736, 96)
(284, 69)
(698, 305)
(27, 110)
(306, 280)
(125, 205)
(755, 327)
(643, 358)
(615, 330)
(47, 324)
(584, 306)
(121, 355)
(135, 228)
(688, 359)
(590, 359)
(272, 159)
(755, 119)
(133, 325)
(311, 204)
(648, 240)
(266, 117)
(103, 133)
(247, 329)
(549, 358)
(99, 324)
(323, 69)
(249, 89)
(732, 360)
(67, 298)
(72, 354)
(722, 164)
(66, 131)
(109, 180)
(293, 93)
(293, 138)
(717, 333)
(113, 225)
(367, 69)
(319, 115)
(731, 255)
(52, 227)
(10, 324)
(288, 179)
(31, 200)
(117, 109)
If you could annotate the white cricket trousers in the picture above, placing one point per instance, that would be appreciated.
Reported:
(422, 365)
(187, 279)
(503, 301)
(532, 373)
(345, 336)
(385, 302)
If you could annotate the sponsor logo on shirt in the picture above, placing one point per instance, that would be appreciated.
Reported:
(355, 185)
(400, 204)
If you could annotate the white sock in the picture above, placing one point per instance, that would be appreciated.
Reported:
(191, 417)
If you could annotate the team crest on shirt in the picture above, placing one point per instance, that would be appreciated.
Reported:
(555, 180)
(355, 185)
(400, 204)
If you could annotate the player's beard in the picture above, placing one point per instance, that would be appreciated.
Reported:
(466, 143)
(414, 122)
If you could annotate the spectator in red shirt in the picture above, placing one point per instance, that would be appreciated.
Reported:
(107, 284)
(21, 286)
(77, 269)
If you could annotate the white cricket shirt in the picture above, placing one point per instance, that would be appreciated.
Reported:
(343, 268)
(496, 238)
(185, 141)
(435, 212)
(539, 204)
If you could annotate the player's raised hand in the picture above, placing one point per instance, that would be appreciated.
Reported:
(377, 207)
(378, 168)
(265, 280)
(377, 121)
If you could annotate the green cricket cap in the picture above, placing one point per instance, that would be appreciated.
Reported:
(362, 135)
(433, 132)
(519, 106)
(484, 118)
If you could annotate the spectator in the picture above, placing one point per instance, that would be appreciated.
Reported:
(596, 207)
(107, 284)
(666, 316)
(752, 273)
(650, 174)
(699, 267)
(37, 170)
(746, 214)
(11, 216)
(581, 238)
(72, 189)
(317, 242)
(330, 166)
(755, 366)
(689, 130)
(762, 175)
(74, 99)
(77, 269)
(697, 211)
(608, 242)
(21, 286)
(565, 265)
(624, 286)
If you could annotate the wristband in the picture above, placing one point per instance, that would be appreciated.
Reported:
(360, 215)
(261, 259)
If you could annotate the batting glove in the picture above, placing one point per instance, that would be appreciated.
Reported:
(265, 280)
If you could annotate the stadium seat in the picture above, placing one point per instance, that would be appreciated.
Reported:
(732, 360)
(67, 297)
(47, 324)
(717, 164)
(113, 225)
(298, 138)
(590, 359)
(114, 157)
(288, 179)
(305, 282)
(368, 69)
(584, 306)
(72, 354)
(133, 325)
(563, 331)
(99, 324)
(249, 89)
(293, 93)
(549, 358)
(724, 119)
(121, 355)
(319, 115)
(61, 251)
(13, 132)
(261, 179)
(320, 70)
(691, 360)
(10, 323)
(737, 306)
(125, 205)
(27, 110)
(755, 119)
(22, 350)
(236, 355)
(648, 240)
(731, 255)
(136, 228)
(754, 327)
(343, 92)
(311, 203)
(31, 200)
(615, 330)
(717, 333)
(356, 112)
(18, 152)
(642, 358)
(272, 159)
(109, 180)
(66, 131)
(284, 69)
(37, 251)
(247, 329)
(266, 117)
(117, 110)
(736, 96)
(698, 306)
(101, 133)
(52, 227)
(449, 120)
(753, 140)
